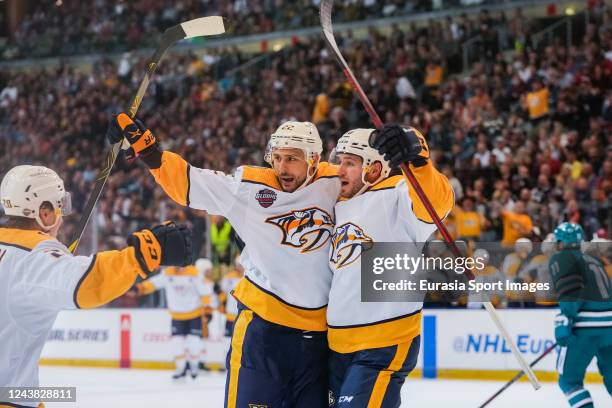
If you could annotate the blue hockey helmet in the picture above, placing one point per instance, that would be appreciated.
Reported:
(569, 233)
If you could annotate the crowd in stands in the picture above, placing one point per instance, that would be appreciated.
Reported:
(525, 138)
(69, 27)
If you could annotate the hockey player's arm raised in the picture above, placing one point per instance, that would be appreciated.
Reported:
(407, 145)
(202, 189)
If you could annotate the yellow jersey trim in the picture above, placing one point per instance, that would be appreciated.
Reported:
(23, 239)
(187, 315)
(326, 170)
(178, 271)
(272, 308)
(173, 177)
(348, 339)
(261, 175)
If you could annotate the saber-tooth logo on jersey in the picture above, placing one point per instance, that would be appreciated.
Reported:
(347, 244)
(307, 229)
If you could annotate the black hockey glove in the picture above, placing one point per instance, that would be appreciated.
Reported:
(399, 145)
(143, 143)
(164, 244)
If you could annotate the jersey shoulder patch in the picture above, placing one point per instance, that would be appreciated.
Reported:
(260, 175)
(388, 183)
(23, 239)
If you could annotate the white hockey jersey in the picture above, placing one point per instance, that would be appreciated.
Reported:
(286, 235)
(38, 278)
(229, 282)
(387, 212)
(185, 289)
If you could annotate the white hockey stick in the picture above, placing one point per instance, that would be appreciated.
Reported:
(203, 26)
(328, 33)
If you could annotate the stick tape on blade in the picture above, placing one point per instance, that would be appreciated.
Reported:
(203, 26)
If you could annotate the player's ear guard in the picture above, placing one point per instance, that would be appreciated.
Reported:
(165, 244)
(143, 143)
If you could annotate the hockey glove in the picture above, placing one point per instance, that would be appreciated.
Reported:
(399, 145)
(164, 244)
(563, 330)
(143, 143)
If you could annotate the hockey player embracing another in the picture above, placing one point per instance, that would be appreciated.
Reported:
(583, 328)
(375, 345)
(284, 215)
(39, 276)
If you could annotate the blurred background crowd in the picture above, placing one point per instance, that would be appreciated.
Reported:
(69, 27)
(523, 130)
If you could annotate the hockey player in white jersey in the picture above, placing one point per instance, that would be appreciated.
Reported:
(39, 276)
(184, 292)
(210, 303)
(375, 345)
(284, 216)
(229, 282)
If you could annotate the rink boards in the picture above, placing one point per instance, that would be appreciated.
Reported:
(455, 343)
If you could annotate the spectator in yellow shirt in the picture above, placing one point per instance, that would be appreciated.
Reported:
(321, 108)
(537, 101)
(468, 221)
(517, 224)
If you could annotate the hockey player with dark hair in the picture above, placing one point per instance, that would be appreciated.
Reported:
(375, 344)
(284, 216)
(583, 328)
(39, 276)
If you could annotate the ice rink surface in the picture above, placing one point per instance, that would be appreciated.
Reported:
(116, 388)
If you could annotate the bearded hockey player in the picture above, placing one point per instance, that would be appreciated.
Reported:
(284, 216)
(375, 345)
(583, 328)
(185, 289)
(39, 276)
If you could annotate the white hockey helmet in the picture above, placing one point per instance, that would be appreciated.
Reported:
(203, 265)
(357, 142)
(25, 188)
(297, 135)
(523, 245)
(483, 254)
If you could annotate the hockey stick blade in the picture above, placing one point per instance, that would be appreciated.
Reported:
(203, 26)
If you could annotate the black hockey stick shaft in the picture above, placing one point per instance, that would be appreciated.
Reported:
(170, 36)
(518, 376)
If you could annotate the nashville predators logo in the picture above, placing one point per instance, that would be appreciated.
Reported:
(347, 244)
(307, 229)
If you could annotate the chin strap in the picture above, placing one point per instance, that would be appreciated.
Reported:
(308, 175)
(366, 184)
(47, 228)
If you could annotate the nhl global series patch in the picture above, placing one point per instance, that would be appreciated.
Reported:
(265, 197)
